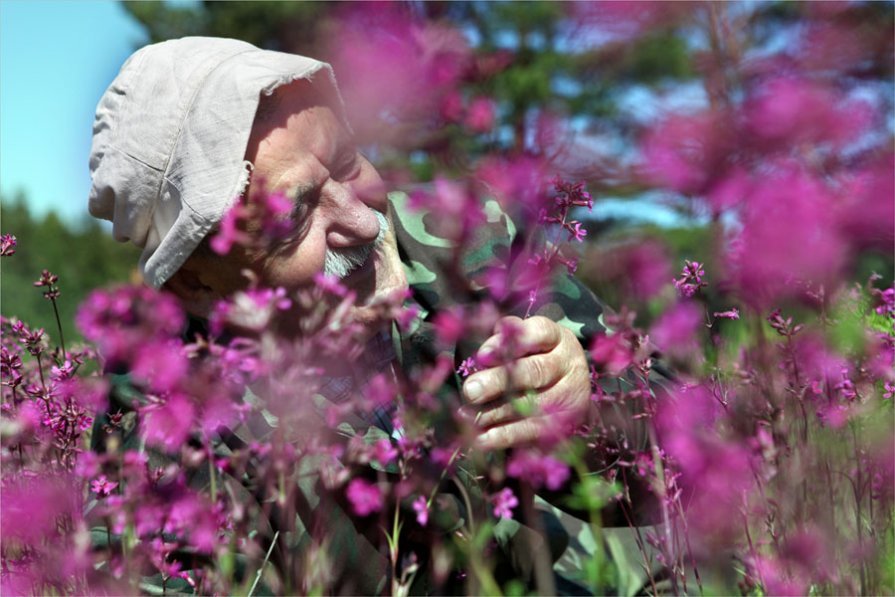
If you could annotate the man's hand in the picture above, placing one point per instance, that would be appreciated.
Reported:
(544, 390)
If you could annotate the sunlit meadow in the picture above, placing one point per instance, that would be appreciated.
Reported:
(757, 395)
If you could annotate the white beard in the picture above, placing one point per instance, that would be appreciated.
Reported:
(341, 262)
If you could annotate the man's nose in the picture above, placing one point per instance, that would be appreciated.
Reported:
(351, 221)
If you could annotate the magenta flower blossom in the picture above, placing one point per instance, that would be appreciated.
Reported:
(790, 237)
(365, 498)
(161, 365)
(480, 115)
(228, 233)
(384, 452)
(421, 507)
(684, 152)
(449, 326)
(468, 367)
(675, 332)
(611, 354)
(517, 184)
(49, 280)
(455, 207)
(452, 106)
(331, 284)
(102, 486)
(729, 314)
(167, 424)
(864, 207)
(503, 503)
(782, 326)
(7, 245)
(690, 280)
(252, 309)
(790, 111)
(886, 299)
(538, 469)
(576, 232)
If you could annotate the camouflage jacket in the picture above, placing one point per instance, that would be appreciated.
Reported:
(356, 555)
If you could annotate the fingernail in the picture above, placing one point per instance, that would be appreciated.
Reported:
(474, 390)
(487, 358)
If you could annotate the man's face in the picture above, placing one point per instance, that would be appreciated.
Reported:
(301, 148)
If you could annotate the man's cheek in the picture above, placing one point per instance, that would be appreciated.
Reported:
(294, 267)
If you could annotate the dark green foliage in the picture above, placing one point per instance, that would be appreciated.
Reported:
(84, 257)
(551, 68)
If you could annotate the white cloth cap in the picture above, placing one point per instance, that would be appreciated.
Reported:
(170, 136)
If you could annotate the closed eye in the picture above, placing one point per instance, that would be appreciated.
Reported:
(304, 198)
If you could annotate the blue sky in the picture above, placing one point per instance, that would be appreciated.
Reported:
(56, 59)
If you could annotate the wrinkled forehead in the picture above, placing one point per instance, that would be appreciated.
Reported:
(295, 133)
(293, 101)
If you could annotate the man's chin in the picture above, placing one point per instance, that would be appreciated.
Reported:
(380, 277)
(376, 284)
(378, 281)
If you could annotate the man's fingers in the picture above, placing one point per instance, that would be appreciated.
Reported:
(504, 411)
(516, 433)
(529, 373)
(526, 337)
(560, 398)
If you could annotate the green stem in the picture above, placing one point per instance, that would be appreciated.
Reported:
(59, 326)
(263, 564)
(214, 484)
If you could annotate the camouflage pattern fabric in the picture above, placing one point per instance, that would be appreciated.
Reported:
(354, 552)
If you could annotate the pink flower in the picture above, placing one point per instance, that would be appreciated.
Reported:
(789, 237)
(102, 486)
(675, 331)
(729, 314)
(690, 280)
(538, 469)
(576, 232)
(421, 507)
(452, 106)
(448, 326)
(791, 112)
(384, 452)
(480, 115)
(161, 365)
(503, 503)
(864, 206)
(7, 245)
(455, 208)
(168, 424)
(684, 152)
(228, 233)
(468, 367)
(331, 284)
(517, 184)
(730, 191)
(391, 63)
(612, 354)
(365, 498)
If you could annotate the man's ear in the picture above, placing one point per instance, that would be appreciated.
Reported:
(187, 285)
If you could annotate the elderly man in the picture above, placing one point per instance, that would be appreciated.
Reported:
(189, 126)
(179, 136)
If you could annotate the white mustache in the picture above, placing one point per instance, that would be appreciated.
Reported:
(341, 262)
